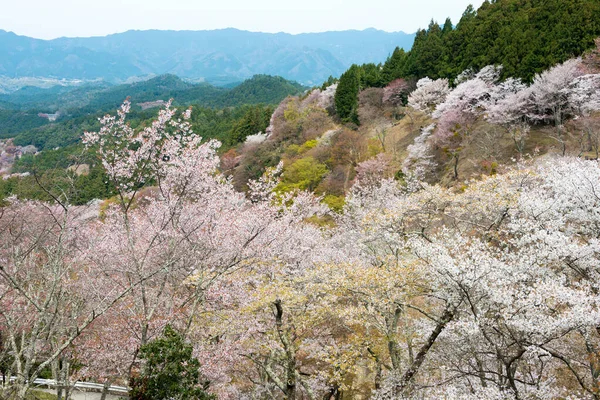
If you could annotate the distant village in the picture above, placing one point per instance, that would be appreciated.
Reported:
(152, 104)
(49, 117)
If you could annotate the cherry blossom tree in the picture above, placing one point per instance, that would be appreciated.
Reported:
(46, 298)
(530, 310)
(326, 97)
(583, 94)
(429, 94)
(419, 161)
(508, 108)
(386, 315)
(374, 170)
(550, 97)
(460, 110)
(396, 92)
(257, 325)
(188, 228)
(413, 291)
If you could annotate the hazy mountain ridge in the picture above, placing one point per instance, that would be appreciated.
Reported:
(223, 55)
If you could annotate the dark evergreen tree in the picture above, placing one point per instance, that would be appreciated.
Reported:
(170, 372)
(371, 76)
(330, 81)
(426, 58)
(525, 36)
(394, 66)
(256, 119)
(346, 95)
(448, 27)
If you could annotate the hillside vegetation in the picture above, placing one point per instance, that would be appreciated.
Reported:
(418, 284)
(226, 114)
(103, 98)
(524, 36)
(370, 113)
(80, 108)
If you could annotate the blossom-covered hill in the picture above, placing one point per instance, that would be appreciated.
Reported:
(410, 290)
(428, 129)
(382, 237)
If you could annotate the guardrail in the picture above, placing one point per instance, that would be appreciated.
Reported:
(83, 386)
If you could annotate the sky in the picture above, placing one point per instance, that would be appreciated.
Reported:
(48, 19)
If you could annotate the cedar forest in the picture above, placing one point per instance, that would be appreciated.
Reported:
(424, 228)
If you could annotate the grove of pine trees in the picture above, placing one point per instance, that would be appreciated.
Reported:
(524, 36)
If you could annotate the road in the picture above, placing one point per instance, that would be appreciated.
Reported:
(77, 395)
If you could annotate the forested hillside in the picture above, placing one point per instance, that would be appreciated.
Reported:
(101, 97)
(370, 108)
(79, 108)
(226, 114)
(524, 36)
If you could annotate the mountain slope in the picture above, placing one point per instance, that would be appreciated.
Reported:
(209, 55)
(94, 98)
(525, 36)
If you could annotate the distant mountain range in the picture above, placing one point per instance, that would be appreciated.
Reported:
(217, 56)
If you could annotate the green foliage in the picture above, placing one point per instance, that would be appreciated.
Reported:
(13, 122)
(330, 81)
(8, 393)
(59, 134)
(357, 78)
(428, 53)
(346, 95)
(255, 119)
(292, 150)
(525, 36)
(60, 158)
(306, 146)
(170, 371)
(95, 98)
(304, 174)
(39, 395)
(260, 89)
(395, 66)
(49, 174)
(229, 126)
(370, 76)
(162, 87)
(94, 185)
(336, 203)
(63, 184)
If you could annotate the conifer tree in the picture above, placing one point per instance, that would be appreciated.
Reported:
(170, 371)
(346, 96)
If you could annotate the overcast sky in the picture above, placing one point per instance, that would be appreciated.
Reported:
(49, 19)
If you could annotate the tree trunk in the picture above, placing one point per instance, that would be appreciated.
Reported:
(105, 389)
(392, 327)
(447, 316)
(456, 158)
(54, 366)
(290, 384)
(22, 392)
